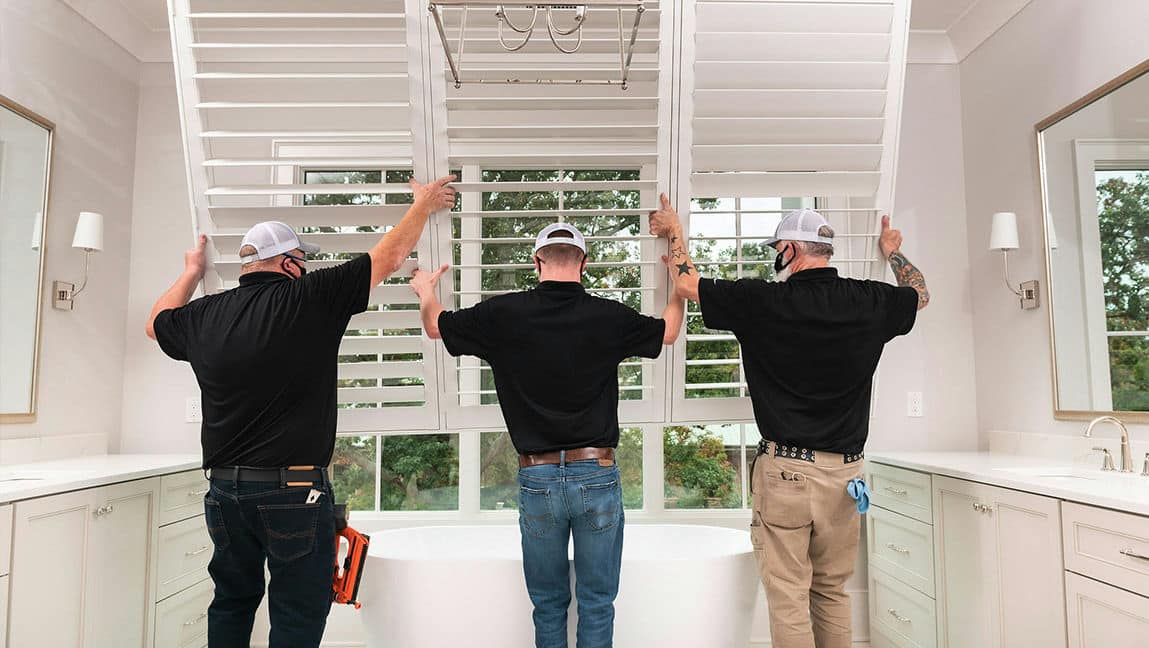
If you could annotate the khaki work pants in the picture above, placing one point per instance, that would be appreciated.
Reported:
(805, 534)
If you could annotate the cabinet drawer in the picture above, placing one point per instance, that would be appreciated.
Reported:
(1103, 616)
(904, 491)
(900, 613)
(902, 546)
(184, 552)
(181, 496)
(5, 541)
(1106, 545)
(181, 621)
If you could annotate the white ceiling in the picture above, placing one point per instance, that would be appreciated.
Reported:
(929, 15)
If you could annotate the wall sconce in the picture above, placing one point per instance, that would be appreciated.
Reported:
(1003, 236)
(89, 237)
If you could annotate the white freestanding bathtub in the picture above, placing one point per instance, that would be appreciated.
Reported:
(443, 587)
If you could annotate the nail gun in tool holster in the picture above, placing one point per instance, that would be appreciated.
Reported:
(346, 579)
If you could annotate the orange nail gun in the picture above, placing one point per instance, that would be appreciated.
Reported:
(346, 580)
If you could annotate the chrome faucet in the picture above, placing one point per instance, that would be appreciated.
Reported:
(1126, 455)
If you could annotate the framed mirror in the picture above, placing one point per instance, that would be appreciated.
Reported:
(25, 171)
(1094, 162)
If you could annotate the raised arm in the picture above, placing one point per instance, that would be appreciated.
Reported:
(393, 249)
(195, 262)
(906, 272)
(423, 283)
(665, 223)
(673, 315)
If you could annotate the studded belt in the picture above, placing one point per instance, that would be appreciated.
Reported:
(802, 454)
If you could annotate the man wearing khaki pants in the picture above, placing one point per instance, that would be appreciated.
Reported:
(810, 343)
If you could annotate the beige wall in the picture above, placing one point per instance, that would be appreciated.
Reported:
(55, 63)
(1051, 53)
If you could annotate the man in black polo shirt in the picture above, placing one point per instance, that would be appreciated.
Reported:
(810, 345)
(554, 352)
(265, 355)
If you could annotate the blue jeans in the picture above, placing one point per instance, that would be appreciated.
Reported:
(251, 522)
(583, 499)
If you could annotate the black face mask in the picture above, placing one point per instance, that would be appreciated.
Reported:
(296, 263)
(780, 263)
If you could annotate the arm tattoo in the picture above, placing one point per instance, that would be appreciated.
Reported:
(683, 268)
(909, 275)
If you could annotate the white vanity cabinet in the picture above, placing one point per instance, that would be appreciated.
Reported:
(80, 567)
(103, 567)
(999, 566)
(5, 565)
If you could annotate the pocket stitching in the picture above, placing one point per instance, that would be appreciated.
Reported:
(549, 515)
(615, 515)
(218, 534)
(264, 508)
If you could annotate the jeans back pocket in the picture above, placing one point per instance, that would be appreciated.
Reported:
(602, 504)
(536, 515)
(290, 529)
(216, 529)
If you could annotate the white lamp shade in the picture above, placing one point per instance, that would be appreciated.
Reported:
(89, 231)
(1003, 235)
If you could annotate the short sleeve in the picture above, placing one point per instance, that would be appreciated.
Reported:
(470, 331)
(901, 311)
(726, 304)
(642, 335)
(343, 290)
(171, 327)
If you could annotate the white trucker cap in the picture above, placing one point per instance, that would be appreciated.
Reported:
(800, 225)
(272, 238)
(544, 238)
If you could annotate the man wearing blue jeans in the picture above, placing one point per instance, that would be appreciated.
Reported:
(554, 352)
(265, 356)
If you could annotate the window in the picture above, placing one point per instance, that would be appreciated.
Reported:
(407, 472)
(705, 465)
(491, 245)
(1123, 221)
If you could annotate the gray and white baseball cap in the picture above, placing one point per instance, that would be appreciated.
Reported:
(800, 225)
(272, 238)
(544, 238)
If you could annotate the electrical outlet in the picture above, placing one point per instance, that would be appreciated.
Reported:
(193, 412)
(914, 405)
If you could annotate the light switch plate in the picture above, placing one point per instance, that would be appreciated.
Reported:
(914, 406)
(194, 411)
(62, 292)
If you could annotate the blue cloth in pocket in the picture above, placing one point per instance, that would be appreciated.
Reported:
(860, 492)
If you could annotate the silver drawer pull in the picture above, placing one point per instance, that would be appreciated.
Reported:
(1133, 554)
(901, 550)
(196, 620)
(900, 618)
(198, 493)
(897, 491)
(189, 554)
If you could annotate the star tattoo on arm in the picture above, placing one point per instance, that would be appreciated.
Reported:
(683, 268)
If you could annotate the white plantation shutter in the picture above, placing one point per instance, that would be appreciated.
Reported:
(271, 90)
(594, 157)
(786, 103)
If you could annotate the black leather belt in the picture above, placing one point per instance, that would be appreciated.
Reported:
(803, 454)
(289, 476)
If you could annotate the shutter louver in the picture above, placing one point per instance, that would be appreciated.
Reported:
(273, 94)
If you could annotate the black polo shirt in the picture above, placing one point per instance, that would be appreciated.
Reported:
(266, 356)
(554, 352)
(810, 346)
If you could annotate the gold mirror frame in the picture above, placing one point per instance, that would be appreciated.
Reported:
(48, 125)
(1125, 78)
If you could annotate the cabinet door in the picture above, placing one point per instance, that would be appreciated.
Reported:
(967, 582)
(1029, 567)
(119, 575)
(46, 604)
(1102, 616)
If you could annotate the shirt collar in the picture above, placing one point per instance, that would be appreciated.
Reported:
(261, 277)
(814, 274)
(565, 286)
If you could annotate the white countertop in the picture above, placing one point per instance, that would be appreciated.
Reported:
(25, 481)
(1075, 482)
